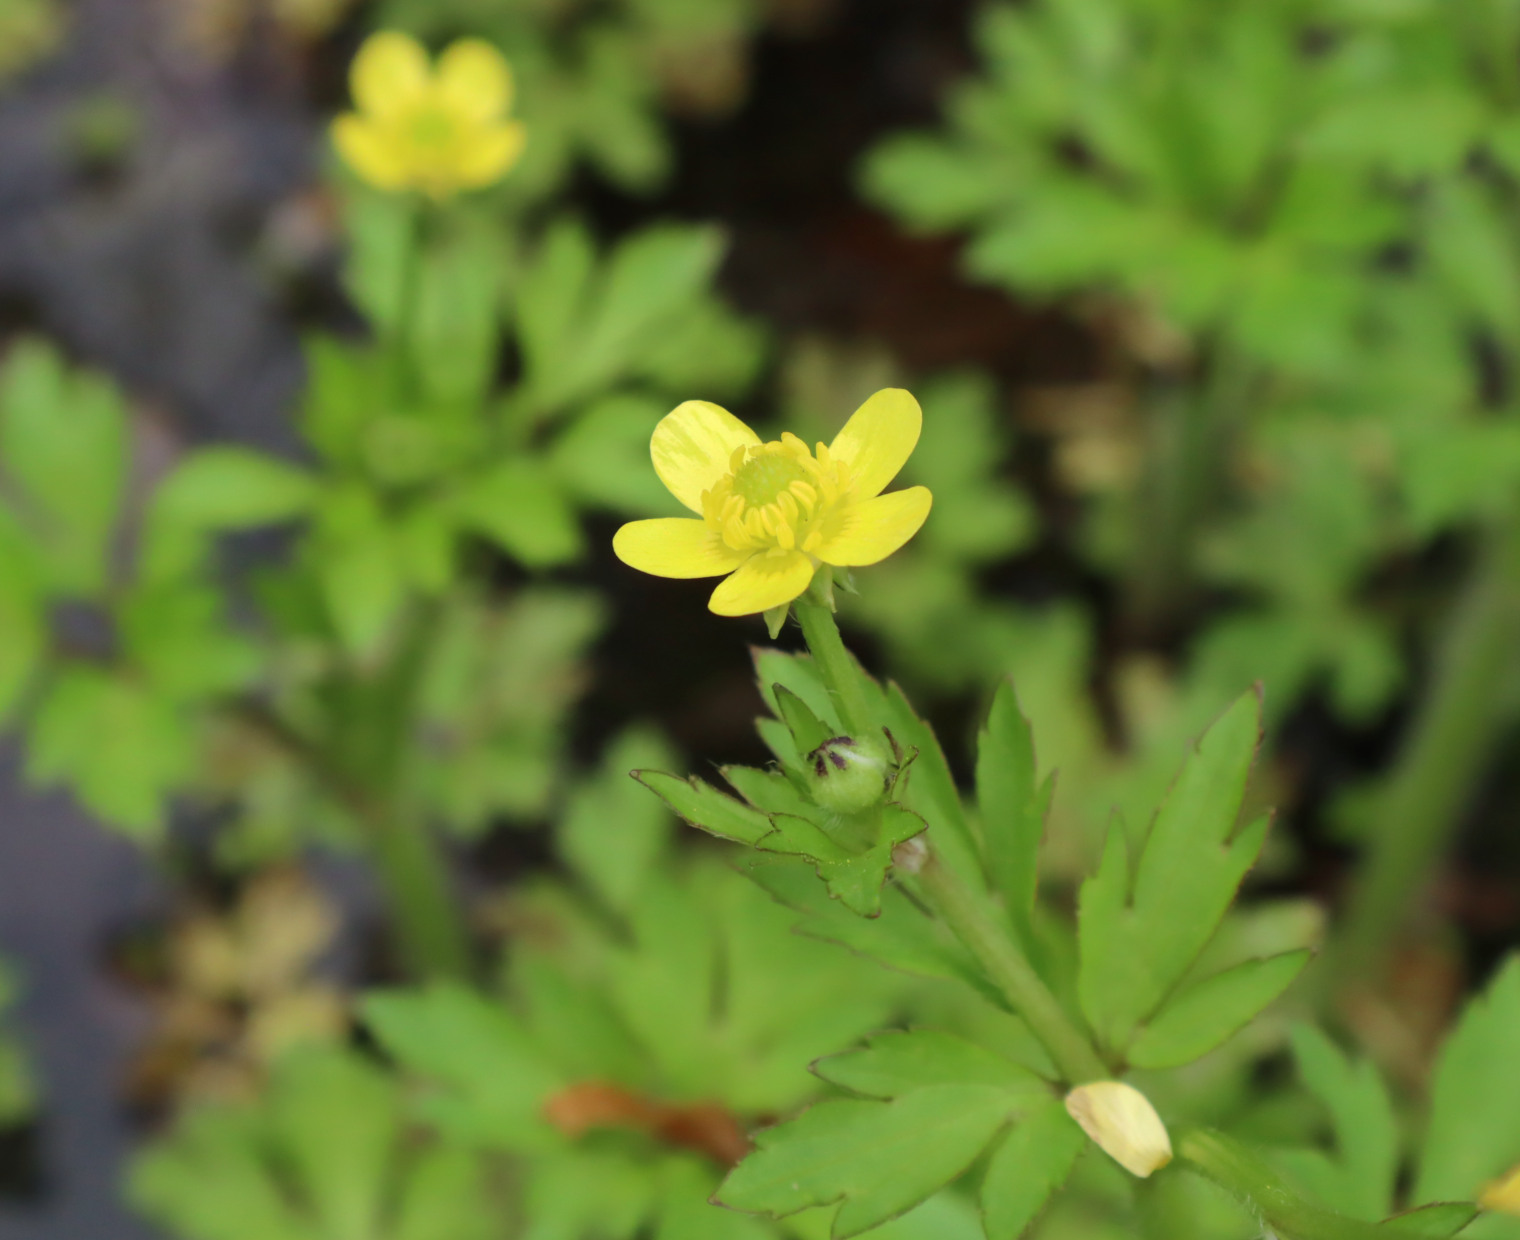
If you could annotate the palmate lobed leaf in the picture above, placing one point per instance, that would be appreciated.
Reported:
(1138, 936)
(1013, 805)
(880, 1158)
(706, 808)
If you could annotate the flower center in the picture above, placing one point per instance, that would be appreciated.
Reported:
(775, 496)
(766, 474)
(431, 127)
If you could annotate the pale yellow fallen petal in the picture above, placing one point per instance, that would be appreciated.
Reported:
(1123, 1123)
(1503, 1195)
(489, 154)
(691, 447)
(473, 80)
(675, 547)
(389, 75)
(871, 530)
(370, 151)
(878, 440)
(761, 582)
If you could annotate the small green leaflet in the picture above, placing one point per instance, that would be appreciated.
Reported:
(1013, 805)
(1474, 1132)
(1032, 1162)
(1434, 1222)
(881, 1158)
(706, 808)
(1206, 1014)
(1139, 936)
(896, 1063)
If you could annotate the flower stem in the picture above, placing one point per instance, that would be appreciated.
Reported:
(1262, 1191)
(965, 911)
(1443, 756)
(840, 675)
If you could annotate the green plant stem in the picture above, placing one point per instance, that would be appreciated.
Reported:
(1258, 1187)
(433, 939)
(965, 911)
(1188, 440)
(1444, 754)
(840, 676)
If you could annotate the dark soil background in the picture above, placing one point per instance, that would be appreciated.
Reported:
(185, 266)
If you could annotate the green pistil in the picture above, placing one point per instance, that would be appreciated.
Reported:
(763, 477)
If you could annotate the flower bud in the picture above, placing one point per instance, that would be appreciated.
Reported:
(1123, 1123)
(1503, 1194)
(847, 775)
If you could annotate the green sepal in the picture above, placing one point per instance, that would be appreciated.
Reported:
(775, 619)
(808, 731)
(853, 877)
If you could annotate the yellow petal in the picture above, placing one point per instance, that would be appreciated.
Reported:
(490, 154)
(474, 80)
(878, 440)
(1123, 1123)
(675, 547)
(370, 151)
(389, 75)
(691, 447)
(873, 529)
(761, 582)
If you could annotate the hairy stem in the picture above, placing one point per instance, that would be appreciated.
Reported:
(965, 911)
(1258, 1187)
(1444, 754)
(834, 663)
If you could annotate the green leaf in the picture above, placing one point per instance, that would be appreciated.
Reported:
(612, 834)
(1434, 1222)
(454, 325)
(382, 239)
(1012, 804)
(120, 747)
(358, 569)
(178, 636)
(880, 1158)
(1474, 1131)
(337, 1118)
(1206, 1014)
(227, 487)
(519, 505)
(496, 1080)
(808, 732)
(896, 1063)
(686, 1213)
(707, 809)
(1137, 943)
(602, 456)
(930, 790)
(1030, 1164)
(63, 443)
(1360, 1180)
(23, 630)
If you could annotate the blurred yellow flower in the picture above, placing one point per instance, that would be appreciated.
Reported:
(773, 512)
(1503, 1195)
(440, 129)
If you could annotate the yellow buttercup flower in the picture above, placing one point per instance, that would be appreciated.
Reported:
(439, 129)
(771, 513)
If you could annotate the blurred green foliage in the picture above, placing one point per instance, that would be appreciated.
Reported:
(18, 1090)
